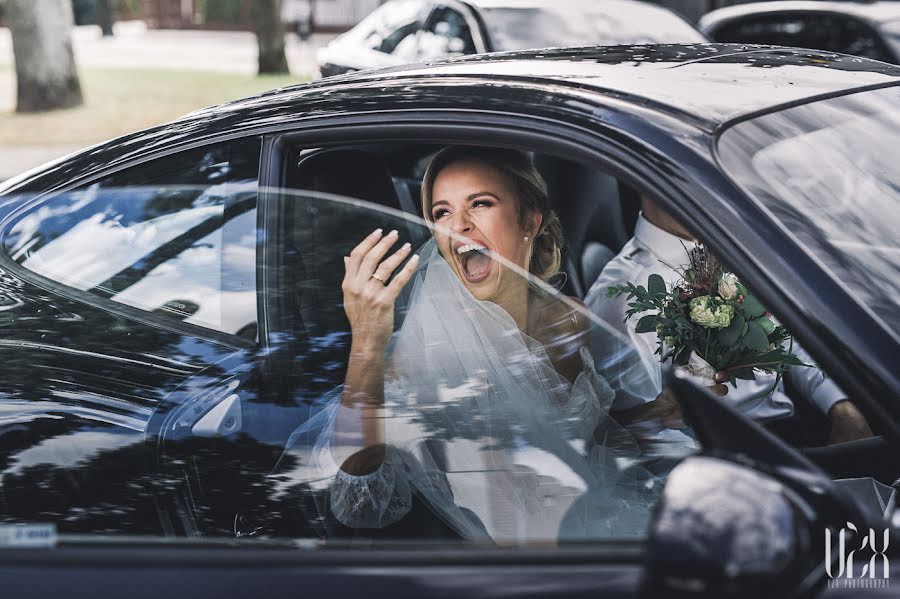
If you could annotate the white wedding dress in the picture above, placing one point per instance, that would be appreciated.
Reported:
(480, 425)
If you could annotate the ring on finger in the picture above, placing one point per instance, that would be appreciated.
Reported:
(378, 278)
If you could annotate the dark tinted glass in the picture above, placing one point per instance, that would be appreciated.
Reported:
(447, 33)
(830, 32)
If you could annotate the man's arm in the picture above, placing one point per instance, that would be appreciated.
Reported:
(847, 422)
(624, 357)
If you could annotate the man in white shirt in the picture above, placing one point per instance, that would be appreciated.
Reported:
(659, 244)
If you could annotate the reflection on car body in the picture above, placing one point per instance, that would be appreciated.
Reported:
(143, 417)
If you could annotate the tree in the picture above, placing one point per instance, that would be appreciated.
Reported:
(46, 77)
(105, 17)
(269, 36)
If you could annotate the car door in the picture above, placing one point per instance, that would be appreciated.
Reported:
(322, 221)
(126, 287)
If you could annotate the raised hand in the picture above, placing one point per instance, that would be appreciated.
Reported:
(369, 291)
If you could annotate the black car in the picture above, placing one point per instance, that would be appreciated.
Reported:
(171, 315)
(869, 29)
(405, 31)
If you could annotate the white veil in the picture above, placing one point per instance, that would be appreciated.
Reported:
(484, 430)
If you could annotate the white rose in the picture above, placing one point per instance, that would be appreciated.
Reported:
(728, 286)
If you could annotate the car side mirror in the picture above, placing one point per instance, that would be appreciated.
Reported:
(723, 529)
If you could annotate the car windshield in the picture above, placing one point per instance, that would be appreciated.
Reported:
(829, 172)
(580, 23)
(386, 19)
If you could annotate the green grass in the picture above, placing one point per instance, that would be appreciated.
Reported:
(118, 101)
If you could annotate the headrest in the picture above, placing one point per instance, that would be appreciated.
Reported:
(348, 172)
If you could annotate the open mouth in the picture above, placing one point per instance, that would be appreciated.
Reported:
(475, 260)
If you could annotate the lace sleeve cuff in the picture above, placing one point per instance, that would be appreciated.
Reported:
(374, 500)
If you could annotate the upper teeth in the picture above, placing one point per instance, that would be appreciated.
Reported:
(469, 248)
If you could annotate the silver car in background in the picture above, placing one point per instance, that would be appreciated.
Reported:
(868, 29)
(406, 31)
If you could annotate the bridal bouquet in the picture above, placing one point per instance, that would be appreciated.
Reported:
(709, 322)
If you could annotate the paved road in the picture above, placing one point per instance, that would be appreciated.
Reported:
(134, 46)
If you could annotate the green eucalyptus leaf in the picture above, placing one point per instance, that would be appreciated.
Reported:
(683, 356)
(756, 338)
(792, 360)
(730, 334)
(656, 285)
(745, 374)
(647, 324)
(751, 307)
(766, 323)
(768, 357)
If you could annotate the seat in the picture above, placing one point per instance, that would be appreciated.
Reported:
(320, 231)
(351, 173)
(590, 209)
(594, 259)
(324, 231)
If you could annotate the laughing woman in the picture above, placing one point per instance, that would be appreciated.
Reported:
(485, 404)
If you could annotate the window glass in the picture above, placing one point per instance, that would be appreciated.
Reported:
(447, 33)
(827, 171)
(400, 41)
(391, 28)
(585, 23)
(498, 436)
(176, 236)
(830, 32)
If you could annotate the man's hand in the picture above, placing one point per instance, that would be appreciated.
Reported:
(664, 411)
(847, 423)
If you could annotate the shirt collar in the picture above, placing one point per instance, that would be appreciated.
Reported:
(664, 246)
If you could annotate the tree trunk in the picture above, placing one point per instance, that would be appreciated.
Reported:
(46, 78)
(269, 36)
(105, 17)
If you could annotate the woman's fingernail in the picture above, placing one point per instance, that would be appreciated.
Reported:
(376, 232)
(392, 233)
(406, 246)
(415, 258)
(345, 260)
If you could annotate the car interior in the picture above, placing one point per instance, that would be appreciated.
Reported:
(598, 212)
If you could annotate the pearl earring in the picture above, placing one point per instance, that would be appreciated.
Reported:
(525, 238)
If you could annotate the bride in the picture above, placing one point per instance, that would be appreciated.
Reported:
(485, 405)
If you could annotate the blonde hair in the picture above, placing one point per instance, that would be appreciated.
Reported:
(531, 192)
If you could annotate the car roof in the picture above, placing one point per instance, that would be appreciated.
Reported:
(712, 83)
(877, 12)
